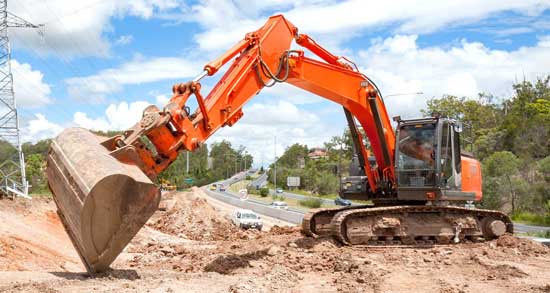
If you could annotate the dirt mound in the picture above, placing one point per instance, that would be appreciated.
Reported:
(508, 241)
(32, 237)
(193, 218)
(278, 230)
(522, 245)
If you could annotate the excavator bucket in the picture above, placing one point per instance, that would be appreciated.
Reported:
(101, 201)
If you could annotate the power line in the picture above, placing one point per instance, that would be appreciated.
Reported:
(58, 18)
(64, 59)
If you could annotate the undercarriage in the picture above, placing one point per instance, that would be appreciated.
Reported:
(406, 225)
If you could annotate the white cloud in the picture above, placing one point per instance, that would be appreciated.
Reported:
(39, 128)
(117, 117)
(162, 100)
(332, 22)
(77, 28)
(29, 88)
(124, 40)
(95, 88)
(398, 65)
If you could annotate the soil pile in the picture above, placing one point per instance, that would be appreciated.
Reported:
(190, 217)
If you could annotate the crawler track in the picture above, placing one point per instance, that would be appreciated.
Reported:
(317, 222)
(406, 225)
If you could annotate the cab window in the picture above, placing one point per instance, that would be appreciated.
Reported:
(446, 154)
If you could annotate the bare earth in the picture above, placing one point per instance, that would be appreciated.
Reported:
(192, 246)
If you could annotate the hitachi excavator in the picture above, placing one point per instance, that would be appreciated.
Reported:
(418, 181)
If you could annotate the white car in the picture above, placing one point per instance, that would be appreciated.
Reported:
(279, 205)
(247, 219)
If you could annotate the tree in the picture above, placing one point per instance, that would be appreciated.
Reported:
(198, 171)
(35, 166)
(501, 167)
(527, 119)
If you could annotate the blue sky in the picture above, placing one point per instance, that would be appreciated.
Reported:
(101, 62)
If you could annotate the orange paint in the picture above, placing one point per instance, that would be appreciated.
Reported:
(471, 176)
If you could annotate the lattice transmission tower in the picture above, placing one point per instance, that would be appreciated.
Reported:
(13, 180)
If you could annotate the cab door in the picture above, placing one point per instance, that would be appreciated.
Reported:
(449, 157)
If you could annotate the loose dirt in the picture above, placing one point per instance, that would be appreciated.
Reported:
(189, 245)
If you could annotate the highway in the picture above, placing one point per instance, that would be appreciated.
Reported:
(290, 215)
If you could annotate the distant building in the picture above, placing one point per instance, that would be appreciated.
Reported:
(317, 153)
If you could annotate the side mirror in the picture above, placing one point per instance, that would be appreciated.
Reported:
(458, 127)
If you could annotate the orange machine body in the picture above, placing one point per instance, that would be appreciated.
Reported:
(471, 176)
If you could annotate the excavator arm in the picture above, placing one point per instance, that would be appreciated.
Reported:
(104, 187)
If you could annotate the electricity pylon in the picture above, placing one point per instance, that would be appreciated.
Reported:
(13, 179)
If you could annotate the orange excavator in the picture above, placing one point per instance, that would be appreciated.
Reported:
(417, 177)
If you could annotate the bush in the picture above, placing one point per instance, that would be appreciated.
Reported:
(311, 203)
(264, 192)
(248, 177)
(276, 197)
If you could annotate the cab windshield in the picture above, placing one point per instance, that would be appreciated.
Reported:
(249, 216)
(416, 146)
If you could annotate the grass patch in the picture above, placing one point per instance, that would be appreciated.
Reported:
(276, 197)
(540, 234)
(235, 187)
(532, 218)
(41, 193)
(311, 203)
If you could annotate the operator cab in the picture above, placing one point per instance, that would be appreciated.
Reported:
(428, 160)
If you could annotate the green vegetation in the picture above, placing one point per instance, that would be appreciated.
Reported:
(226, 161)
(318, 176)
(541, 234)
(237, 186)
(264, 192)
(531, 218)
(276, 197)
(311, 203)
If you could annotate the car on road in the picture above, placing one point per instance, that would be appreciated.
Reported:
(247, 219)
(279, 205)
(279, 190)
(222, 188)
(213, 187)
(342, 202)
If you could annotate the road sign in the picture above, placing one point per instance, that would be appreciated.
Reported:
(243, 194)
(293, 181)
